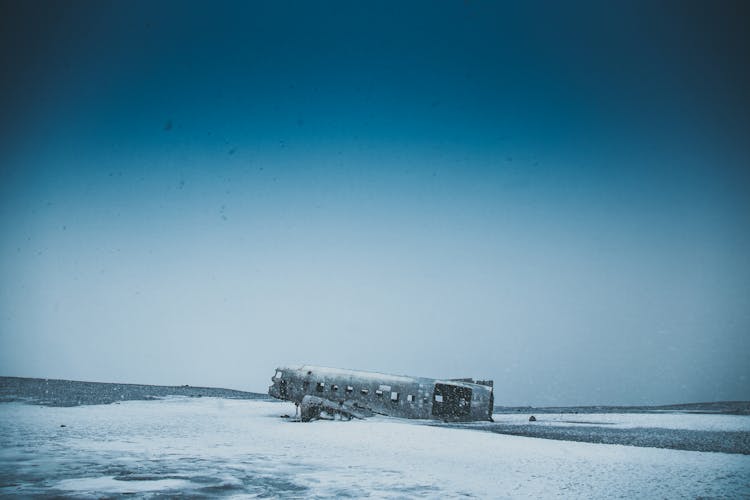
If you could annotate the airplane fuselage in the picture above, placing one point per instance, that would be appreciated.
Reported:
(393, 395)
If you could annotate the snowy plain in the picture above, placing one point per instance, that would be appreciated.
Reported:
(219, 447)
(686, 421)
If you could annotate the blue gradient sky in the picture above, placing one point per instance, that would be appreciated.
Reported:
(556, 197)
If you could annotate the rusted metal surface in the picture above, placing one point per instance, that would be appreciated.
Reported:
(321, 391)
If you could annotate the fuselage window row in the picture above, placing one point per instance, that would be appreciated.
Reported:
(395, 396)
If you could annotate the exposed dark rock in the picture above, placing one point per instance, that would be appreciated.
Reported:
(50, 392)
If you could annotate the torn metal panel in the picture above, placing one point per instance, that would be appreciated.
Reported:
(332, 392)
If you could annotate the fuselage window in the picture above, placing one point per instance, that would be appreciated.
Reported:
(410, 398)
(334, 387)
(438, 398)
(365, 391)
(394, 396)
(349, 389)
(379, 392)
(320, 387)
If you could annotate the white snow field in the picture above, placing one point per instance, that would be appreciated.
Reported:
(686, 421)
(217, 447)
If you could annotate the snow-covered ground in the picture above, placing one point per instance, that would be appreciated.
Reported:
(665, 420)
(209, 447)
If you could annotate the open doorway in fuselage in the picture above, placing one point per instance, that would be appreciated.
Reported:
(451, 402)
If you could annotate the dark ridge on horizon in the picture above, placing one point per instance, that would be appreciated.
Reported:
(60, 392)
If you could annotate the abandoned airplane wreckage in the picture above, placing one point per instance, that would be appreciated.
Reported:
(320, 392)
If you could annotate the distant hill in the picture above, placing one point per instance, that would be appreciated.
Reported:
(52, 392)
(717, 407)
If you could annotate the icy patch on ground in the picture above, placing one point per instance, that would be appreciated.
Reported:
(97, 485)
(212, 447)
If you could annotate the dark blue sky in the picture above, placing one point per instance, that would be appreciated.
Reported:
(552, 195)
